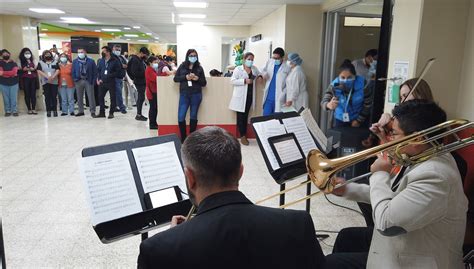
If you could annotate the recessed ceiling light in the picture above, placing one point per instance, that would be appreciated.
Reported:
(98, 31)
(192, 16)
(136, 27)
(76, 20)
(128, 39)
(157, 38)
(127, 28)
(149, 33)
(142, 40)
(130, 35)
(42, 35)
(110, 30)
(191, 4)
(44, 29)
(47, 10)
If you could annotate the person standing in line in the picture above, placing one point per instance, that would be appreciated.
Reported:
(29, 78)
(49, 71)
(9, 83)
(296, 91)
(66, 88)
(151, 90)
(243, 97)
(365, 67)
(165, 67)
(84, 74)
(108, 70)
(117, 51)
(136, 70)
(191, 78)
(275, 73)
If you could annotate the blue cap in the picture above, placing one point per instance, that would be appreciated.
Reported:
(295, 58)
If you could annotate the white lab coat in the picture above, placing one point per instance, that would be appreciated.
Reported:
(239, 96)
(267, 74)
(296, 88)
(429, 205)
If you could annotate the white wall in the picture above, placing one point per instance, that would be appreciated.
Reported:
(207, 40)
(465, 108)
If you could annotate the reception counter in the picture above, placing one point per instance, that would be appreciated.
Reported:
(213, 111)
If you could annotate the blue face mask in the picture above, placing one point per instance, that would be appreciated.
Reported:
(192, 59)
(347, 82)
(249, 63)
(277, 62)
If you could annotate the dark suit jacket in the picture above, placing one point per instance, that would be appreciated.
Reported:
(231, 232)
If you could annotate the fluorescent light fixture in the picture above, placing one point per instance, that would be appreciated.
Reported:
(157, 38)
(128, 39)
(142, 40)
(130, 35)
(149, 33)
(110, 30)
(127, 28)
(47, 10)
(44, 29)
(192, 23)
(136, 27)
(172, 18)
(192, 16)
(98, 31)
(42, 35)
(76, 20)
(191, 4)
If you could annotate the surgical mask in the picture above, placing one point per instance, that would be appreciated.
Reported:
(155, 65)
(117, 52)
(27, 55)
(288, 63)
(63, 59)
(277, 62)
(347, 82)
(249, 63)
(81, 55)
(192, 59)
(6, 57)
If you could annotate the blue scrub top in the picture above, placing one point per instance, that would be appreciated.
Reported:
(272, 87)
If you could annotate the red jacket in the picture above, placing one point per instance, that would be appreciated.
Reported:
(150, 77)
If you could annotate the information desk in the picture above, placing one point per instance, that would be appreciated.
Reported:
(214, 109)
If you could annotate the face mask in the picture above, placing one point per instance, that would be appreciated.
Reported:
(347, 82)
(249, 63)
(27, 55)
(288, 63)
(155, 65)
(48, 57)
(6, 57)
(63, 60)
(81, 55)
(277, 62)
(117, 52)
(192, 59)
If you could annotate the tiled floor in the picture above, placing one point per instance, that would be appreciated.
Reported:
(44, 212)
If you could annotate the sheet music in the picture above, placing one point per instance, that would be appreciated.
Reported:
(110, 188)
(288, 151)
(297, 126)
(159, 167)
(265, 130)
(314, 129)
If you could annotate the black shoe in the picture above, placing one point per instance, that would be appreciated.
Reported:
(15, 114)
(72, 114)
(63, 114)
(80, 114)
(182, 130)
(55, 113)
(123, 111)
(93, 115)
(106, 107)
(154, 127)
(134, 105)
(48, 114)
(192, 125)
(101, 115)
(141, 118)
(111, 116)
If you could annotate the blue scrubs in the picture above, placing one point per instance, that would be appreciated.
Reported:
(269, 105)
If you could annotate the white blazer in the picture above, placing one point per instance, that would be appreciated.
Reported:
(267, 74)
(421, 224)
(296, 88)
(239, 96)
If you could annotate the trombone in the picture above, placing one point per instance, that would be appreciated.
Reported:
(321, 170)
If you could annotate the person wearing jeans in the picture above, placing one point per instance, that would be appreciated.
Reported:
(190, 76)
(49, 71)
(29, 79)
(120, 76)
(66, 85)
(9, 83)
(84, 74)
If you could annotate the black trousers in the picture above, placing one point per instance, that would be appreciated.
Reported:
(351, 249)
(51, 97)
(29, 87)
(153, 112)
(103, 89)
(242, 117)
(141, 98)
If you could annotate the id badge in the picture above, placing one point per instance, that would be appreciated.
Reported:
(29, 72)
(105, 72)
(345, 117)
(190, 83)
(49, 74)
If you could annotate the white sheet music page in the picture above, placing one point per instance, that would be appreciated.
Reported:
(159, 167)
(265, 130)
(110, 188)
(297, 126)
(288, 151)
(314, 128)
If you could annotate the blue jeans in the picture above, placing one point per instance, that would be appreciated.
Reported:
(10, 94)
(269, 107)
(67, 99)
(118, 93)
(187, 100)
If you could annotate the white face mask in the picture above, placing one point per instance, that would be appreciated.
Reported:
(27, 55)
(117, 52)
(155, 65)
(63, 60)
(81, 55)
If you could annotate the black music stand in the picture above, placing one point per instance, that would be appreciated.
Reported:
(143, 222)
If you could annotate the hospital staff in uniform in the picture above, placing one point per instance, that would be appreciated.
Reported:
(296, 93)
(275, 73)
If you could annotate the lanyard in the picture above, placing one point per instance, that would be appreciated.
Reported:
(348, 99)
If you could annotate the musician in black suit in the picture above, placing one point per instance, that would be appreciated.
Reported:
(228, 230)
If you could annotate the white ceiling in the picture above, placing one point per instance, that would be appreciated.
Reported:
(153, 16)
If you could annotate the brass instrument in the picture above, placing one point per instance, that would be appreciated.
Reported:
(321, 170)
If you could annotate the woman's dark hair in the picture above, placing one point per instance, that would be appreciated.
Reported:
(151, 59)
(422, 91)
(417, 114)
(23, 60)
(347, 66)
(247, 54)
(187, 62)
(44, 53)
(215, 73)
(65, 55)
